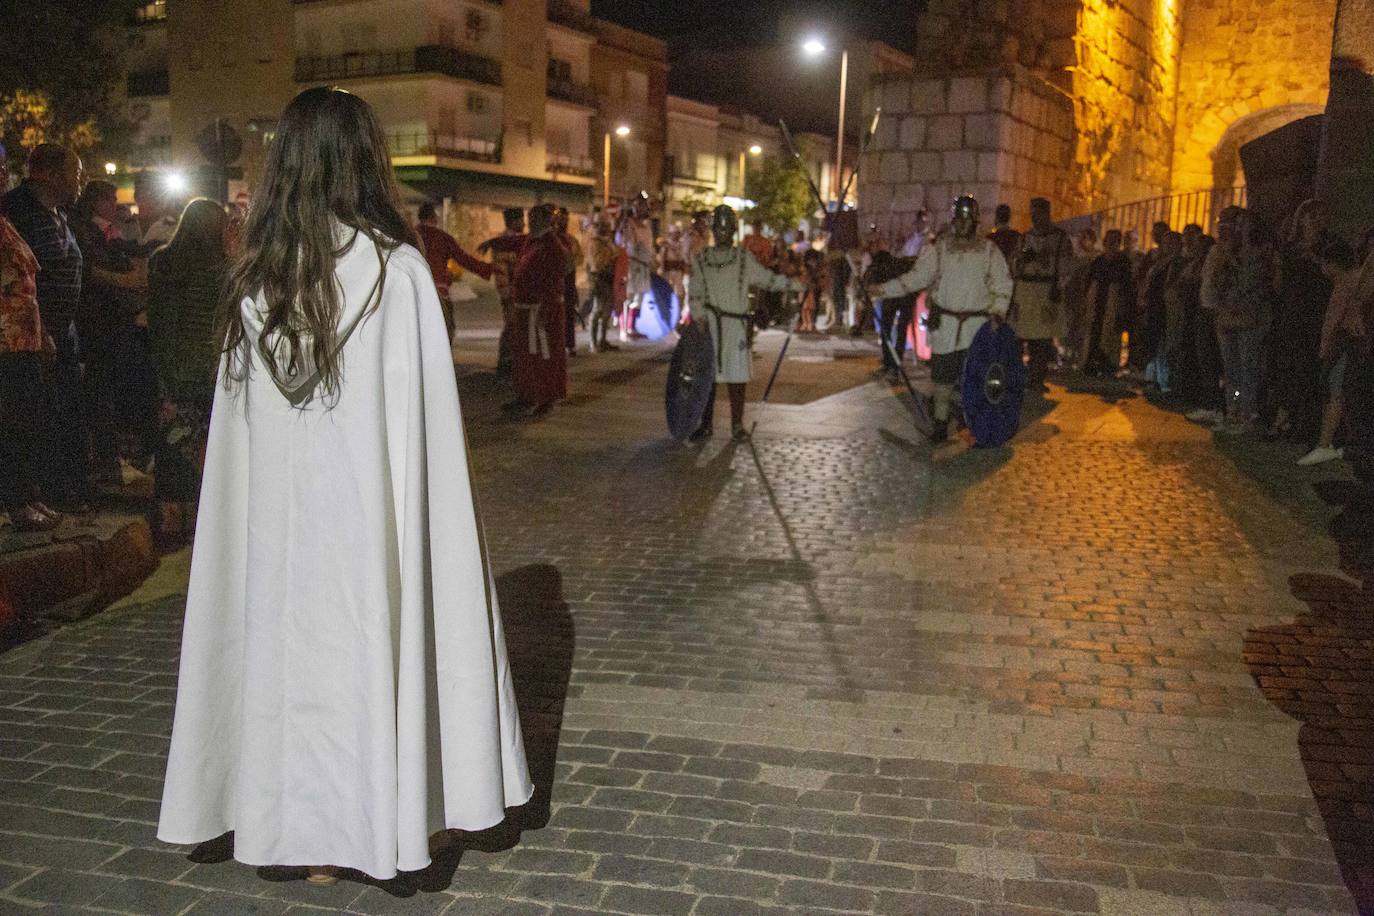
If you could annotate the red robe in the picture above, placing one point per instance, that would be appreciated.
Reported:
(539, 363)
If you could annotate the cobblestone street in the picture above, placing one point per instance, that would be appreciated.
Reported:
(1119, 667)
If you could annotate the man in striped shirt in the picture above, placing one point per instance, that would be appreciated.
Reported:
(36, 209)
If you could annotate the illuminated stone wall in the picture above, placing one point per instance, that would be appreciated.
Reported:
(1162, 93)
(1248, 67)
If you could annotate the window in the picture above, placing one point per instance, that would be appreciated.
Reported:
(474, 26)
(560, 71)
(637, 87)
(476, 103)
(359, 36)
(559, 140)
(448, 119)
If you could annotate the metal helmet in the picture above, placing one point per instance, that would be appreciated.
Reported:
(964, 208)
(724, 222)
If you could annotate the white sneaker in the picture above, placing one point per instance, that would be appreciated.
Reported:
(1320, 455)
(1204, 415)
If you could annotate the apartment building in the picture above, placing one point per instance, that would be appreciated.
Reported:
(630, 78)
(486, 103)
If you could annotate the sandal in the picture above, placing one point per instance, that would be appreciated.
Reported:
(322, 875)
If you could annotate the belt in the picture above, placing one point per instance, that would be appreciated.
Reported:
(746, 317)
(538, 339)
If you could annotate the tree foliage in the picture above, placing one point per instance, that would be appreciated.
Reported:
(61, 72)
(781, 194)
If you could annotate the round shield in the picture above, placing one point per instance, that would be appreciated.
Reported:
(658, 315)
(993, 386)
(691, 381)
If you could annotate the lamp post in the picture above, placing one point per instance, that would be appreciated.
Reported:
(814, 47)
(622, 131)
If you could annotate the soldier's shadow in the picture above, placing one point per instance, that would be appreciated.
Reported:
(1320, 670)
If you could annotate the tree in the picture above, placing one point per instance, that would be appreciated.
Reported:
(61, 73)
(781, 194)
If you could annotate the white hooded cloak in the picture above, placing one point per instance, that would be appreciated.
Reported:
(344, 688)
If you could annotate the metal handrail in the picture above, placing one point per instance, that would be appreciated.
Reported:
(1178, 210)
(433, 143)
(570, 164)
(424, 59)
(569, 91)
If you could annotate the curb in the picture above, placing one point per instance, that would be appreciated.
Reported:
(74, 577)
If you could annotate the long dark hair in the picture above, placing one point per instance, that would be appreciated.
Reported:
(198, 242)
(328, 166)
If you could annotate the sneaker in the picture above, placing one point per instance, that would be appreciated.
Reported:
(1204, 415)
(1320, 455)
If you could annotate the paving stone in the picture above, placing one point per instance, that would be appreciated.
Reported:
(154, 898)
(219, 904)
(62, 887)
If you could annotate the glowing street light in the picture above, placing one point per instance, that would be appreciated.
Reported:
(755, 150)
(622, 131)
(814, 47)
(111, 168)
(175, 182)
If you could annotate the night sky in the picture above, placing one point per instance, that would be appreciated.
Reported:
(763, 21)
(770, 79)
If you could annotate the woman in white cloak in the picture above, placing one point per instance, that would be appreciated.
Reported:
(344, 690)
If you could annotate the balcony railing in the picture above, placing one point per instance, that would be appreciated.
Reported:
(425, 59)
(1178, 210)
(433, 143)
(566, 164)
(147, 13)
(576, 93)
(149, 83)
(570, 15)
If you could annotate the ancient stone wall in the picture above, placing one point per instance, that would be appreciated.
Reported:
(1004, 138)
(1248, 66)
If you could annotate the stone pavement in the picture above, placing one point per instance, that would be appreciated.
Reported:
(1117, 668)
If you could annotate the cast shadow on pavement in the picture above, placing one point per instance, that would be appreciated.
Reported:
(1319, 670)
(539, 642)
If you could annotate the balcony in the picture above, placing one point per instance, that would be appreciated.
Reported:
(149, 83)
(449, 146)
(566, 164)
(569, 15)
(576, 93)
(150, 13)
(425, 59)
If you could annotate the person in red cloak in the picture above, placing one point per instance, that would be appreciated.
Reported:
(539, 365)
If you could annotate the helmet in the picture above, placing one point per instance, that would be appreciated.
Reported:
(966, 206)
(723, 223)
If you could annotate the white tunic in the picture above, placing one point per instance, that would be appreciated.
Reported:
(966, 278)
(344, 688)
(721, 279)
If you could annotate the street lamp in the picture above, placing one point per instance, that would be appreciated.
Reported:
(814, 47)
(111, 168)
(754, 150)
(621, 131)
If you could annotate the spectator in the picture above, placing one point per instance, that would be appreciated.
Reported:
(119, 385)
(920, 235)
(36, 209)
(440, 248)
(1182, 283)
(1109, 298)
(1007, 239)
(1295, 340)
(185, 284)
(1218, 280)
(1152, 327)
(24, 395)
(573, 249)
(505, 251)
(1358, 395)
(1245, 309)
(1085, 251)
(1342, 333)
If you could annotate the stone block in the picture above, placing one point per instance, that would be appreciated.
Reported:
(875, 196)
(887, 136)
(909, 198)
(929, 97)
(989, 167)
(925, 167)
(913, 132)
(945, 132)
(960, 166)
(968, 94)
(1000, 95)
(896, 97)
(982, 132)
(893, 167)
